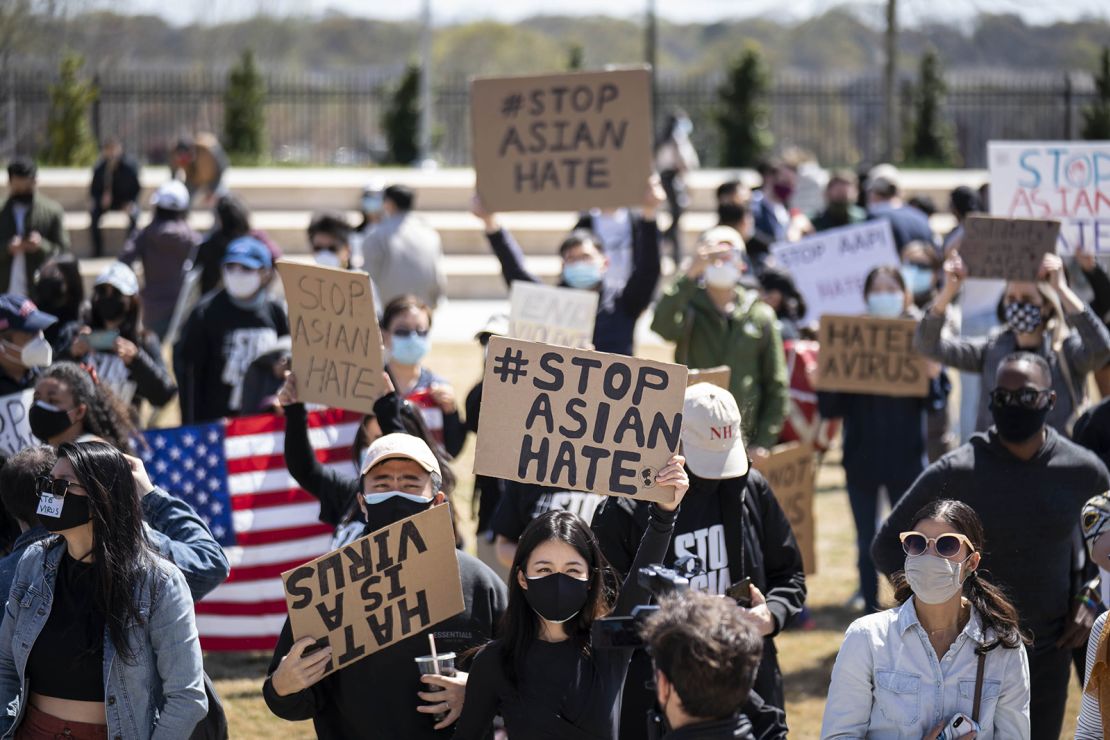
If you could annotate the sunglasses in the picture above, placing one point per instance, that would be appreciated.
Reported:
(409, 332)
(56, 487)
(1029, 398)
(947, 545)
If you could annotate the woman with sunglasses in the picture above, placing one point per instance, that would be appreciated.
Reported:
(99, 638)
(910, 671)
(406, 323)
(1045, 317)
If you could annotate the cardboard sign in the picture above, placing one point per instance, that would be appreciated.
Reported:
(15, 428)
(1007, 248)
(378, 590)
(719, 376)
(869, 355)
(579, 420)
(1068, 181)
(829, 268)
(337, 346)
(563, 142)
(544, 313)
(792, 473)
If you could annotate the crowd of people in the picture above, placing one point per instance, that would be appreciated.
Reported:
(997, 548)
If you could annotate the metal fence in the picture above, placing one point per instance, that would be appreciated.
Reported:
(335, 118)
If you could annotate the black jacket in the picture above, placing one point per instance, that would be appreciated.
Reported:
(733, 728)
(758, 542)
(125, 182)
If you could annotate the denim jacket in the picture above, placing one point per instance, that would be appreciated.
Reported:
(888, 684)
(179, 535)
(160, 697)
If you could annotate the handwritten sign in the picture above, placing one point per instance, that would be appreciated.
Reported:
(869, 355)
(829, 268)
(792, 473)
(337, 347)
(544, 313)
(564, 142)
(378, 590)
(15, 428)
(1007, 248)
(719, 376)
(1061, 180)
(578, 419)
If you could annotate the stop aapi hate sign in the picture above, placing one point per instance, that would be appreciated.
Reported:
(564, 142)
(578, 419)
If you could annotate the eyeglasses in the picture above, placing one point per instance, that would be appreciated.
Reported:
(947, 545)
(57, 487)
(1030, 398)
(409, 332)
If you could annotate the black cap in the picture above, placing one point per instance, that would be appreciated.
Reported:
(21, 314)
(22, 167)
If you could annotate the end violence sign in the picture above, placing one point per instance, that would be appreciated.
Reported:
(564, 142)
(578, 419)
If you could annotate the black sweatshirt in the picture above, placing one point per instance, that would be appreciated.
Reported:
(218, 343)
(375, 698)
(561, 693)
(1029, 509)
(524, 502)
(738, 529)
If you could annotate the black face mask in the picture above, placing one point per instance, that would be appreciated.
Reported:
(75, 512)
(1018, 423)
(109, 308)
(47, 421)
(50, 293)
(392, 510)
(557, 597)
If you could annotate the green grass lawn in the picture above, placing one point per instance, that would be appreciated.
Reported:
(806, 657)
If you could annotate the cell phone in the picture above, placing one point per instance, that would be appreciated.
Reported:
(103, 340)
(741, 592)
(958, 726)
(616, 632)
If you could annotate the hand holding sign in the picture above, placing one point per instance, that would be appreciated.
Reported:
(674, 474)
(298, 670)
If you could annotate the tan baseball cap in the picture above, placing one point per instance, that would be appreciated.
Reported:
(404, 446)
(711, 438)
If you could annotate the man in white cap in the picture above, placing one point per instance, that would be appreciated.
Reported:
(163, 247)
(375, 698)
(732, 522)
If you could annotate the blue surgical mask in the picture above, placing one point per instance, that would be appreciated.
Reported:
(409, 350)
(918, 279)
(584, 274)
(377, 498)
(371, 203)
(886, 305)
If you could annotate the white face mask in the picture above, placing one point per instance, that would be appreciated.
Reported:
(934, 580)
(723, 275)
(325, 258)
(36, 353)
(242, 285)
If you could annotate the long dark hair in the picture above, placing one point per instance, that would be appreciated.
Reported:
(989, 600)
(106, 415)
(520, 625)
(121, 553)
(233, 216)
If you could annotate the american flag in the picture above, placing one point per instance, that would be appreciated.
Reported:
(233, 473)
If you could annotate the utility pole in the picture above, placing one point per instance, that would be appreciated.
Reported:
(426, 81)
(890, 83)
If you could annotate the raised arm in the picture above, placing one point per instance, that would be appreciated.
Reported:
(962, 354)
(637, 293)
(504, 247)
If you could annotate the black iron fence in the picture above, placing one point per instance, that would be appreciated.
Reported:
(335, 118)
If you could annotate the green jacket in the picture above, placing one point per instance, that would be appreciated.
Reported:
(748, 342)
(45, 217)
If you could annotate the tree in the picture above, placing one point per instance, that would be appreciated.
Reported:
(576, 56)
(743, 116)
(931, 139)
(245, 111)
(402, 118)
(70, 140)
(1096, 116)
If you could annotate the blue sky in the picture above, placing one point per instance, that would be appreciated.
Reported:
(912, 11)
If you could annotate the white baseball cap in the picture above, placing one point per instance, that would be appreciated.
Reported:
(403, 446)
(121, 277)
(172, 196)
(711, 438)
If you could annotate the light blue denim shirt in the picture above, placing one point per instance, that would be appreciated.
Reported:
(888, 684)
(160, 696)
